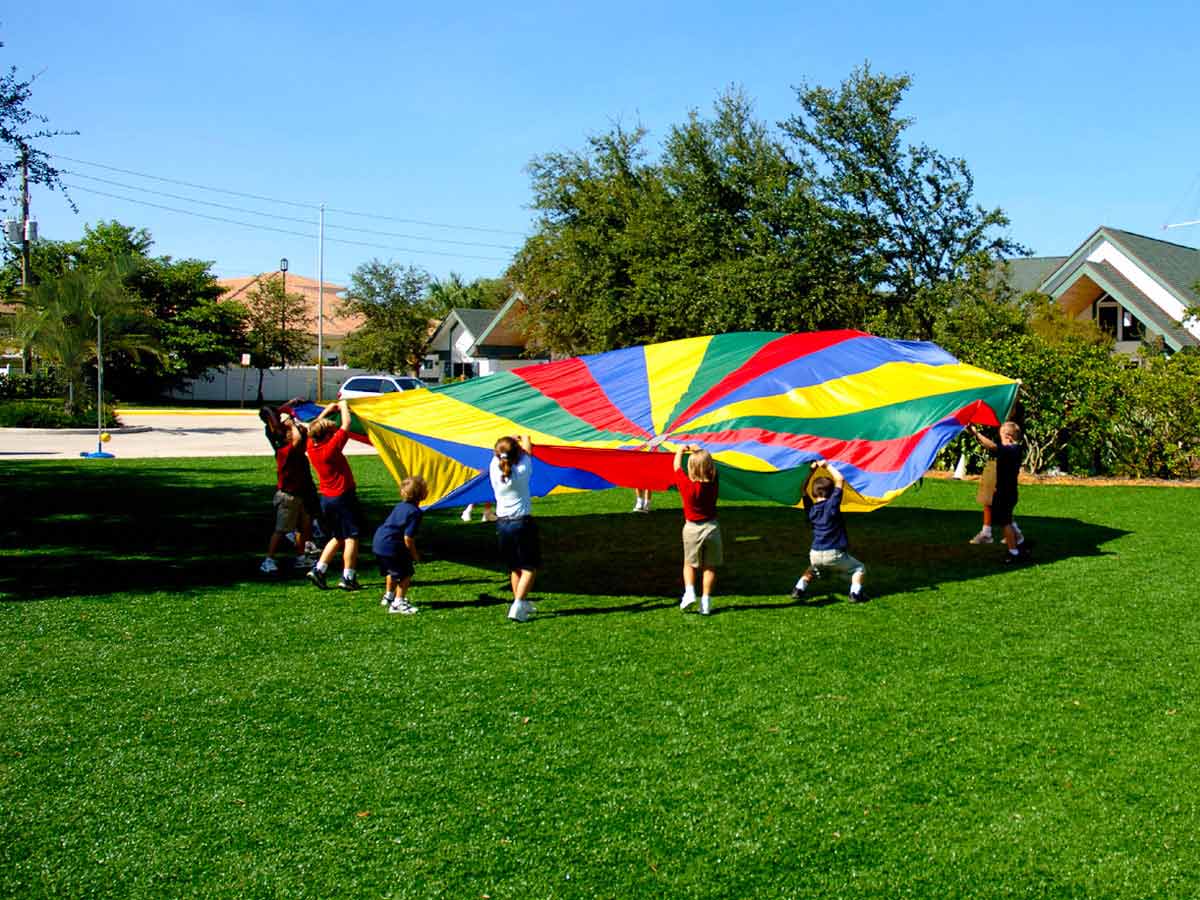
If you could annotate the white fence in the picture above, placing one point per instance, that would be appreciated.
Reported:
(233, 384)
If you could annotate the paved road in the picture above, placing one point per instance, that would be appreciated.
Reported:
(193, 433)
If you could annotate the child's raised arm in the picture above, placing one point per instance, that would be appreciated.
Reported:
(986, 442)
(345, 408)
(838, 479)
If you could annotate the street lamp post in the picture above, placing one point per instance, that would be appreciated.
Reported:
(283, 267)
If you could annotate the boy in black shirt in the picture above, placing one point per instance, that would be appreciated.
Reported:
(829, 540)
(1009, 453)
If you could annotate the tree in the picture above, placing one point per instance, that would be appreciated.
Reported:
(178, 299)
(395, 302)
(455, 293)
(279, 327)
(59, 318)
(722, 233)
(910, 206)
(20, 129)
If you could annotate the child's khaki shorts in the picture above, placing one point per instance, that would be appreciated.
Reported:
(702, 544)
(835, 561)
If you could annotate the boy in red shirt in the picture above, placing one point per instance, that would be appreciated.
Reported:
(293, 481)
(340, 508)
(701, 534)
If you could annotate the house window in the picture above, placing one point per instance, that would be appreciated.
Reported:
(1113, 319)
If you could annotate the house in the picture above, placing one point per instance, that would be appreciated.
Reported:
(471, 342)
(337, 323)
(1135, 288)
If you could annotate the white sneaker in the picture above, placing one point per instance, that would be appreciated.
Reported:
(403, 607)
(981, 538)
(311, 549)
(385, 600)
(465, 515)
(268, 567)
(687, 600)
(489, 515)
(519, 611)
(705, 606)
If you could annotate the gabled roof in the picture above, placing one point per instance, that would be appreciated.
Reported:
(473, 321)
(1174, 266)
(1026, 274)
(1170, 271)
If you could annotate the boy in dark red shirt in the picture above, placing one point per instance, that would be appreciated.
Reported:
(340, 508)
(702, 551)
(292, 482)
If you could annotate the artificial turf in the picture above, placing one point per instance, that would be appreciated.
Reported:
(176, 725)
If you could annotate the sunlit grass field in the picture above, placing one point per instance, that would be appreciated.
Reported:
(176, 725)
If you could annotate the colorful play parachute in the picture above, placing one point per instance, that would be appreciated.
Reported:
(765, 404)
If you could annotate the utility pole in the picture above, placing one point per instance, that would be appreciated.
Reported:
(26, 356)
(321, 309)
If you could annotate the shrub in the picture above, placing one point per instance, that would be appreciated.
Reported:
(42, 384)
(49, 414)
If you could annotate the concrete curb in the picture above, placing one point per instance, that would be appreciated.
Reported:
(40, 432)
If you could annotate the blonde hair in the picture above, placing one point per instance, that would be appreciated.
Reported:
(1011, 428)
(413, 489)
(700, 466)
(509, 452)
(317, 429)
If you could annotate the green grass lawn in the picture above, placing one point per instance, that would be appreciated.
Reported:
(175, 725)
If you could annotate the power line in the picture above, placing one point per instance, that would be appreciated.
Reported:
(282, 218)
(302, 205)
(258, 227)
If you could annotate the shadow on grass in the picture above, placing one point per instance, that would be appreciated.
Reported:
(618, 555)
(188, 526)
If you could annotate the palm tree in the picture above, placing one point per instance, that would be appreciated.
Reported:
(58, 321)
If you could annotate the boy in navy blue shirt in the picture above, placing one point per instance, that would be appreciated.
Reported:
(395, 545)
(829, 540)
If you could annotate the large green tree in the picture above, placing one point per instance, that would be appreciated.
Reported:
(909, 206)
(279, 327)
(178, 300)
(394, 300)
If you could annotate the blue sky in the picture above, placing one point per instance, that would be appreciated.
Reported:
(1070, 115)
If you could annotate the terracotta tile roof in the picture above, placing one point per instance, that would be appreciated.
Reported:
(337, 324)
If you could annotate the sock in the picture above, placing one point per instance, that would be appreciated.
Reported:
(986, 530)
(321, 567)
(348, 574)
(689, 592)
(855, 590)
(802, 584)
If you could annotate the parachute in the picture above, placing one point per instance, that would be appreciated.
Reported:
(766, 405)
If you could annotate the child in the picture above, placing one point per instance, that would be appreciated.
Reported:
(395, 545)
(1009, 453)
(702, 550)
(292, 481)
(641, 501)
(830, 542)
(339, 498)
(983, 496)
(510, 471)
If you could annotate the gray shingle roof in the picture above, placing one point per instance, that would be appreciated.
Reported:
(476, 321)
(1176, 265)
(1027, 274)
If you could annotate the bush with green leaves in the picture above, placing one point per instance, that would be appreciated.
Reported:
(39, 384)
(50, 414)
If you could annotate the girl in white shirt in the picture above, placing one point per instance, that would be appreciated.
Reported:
(520, 547)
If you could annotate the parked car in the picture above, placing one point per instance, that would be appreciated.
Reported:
(372, 385)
